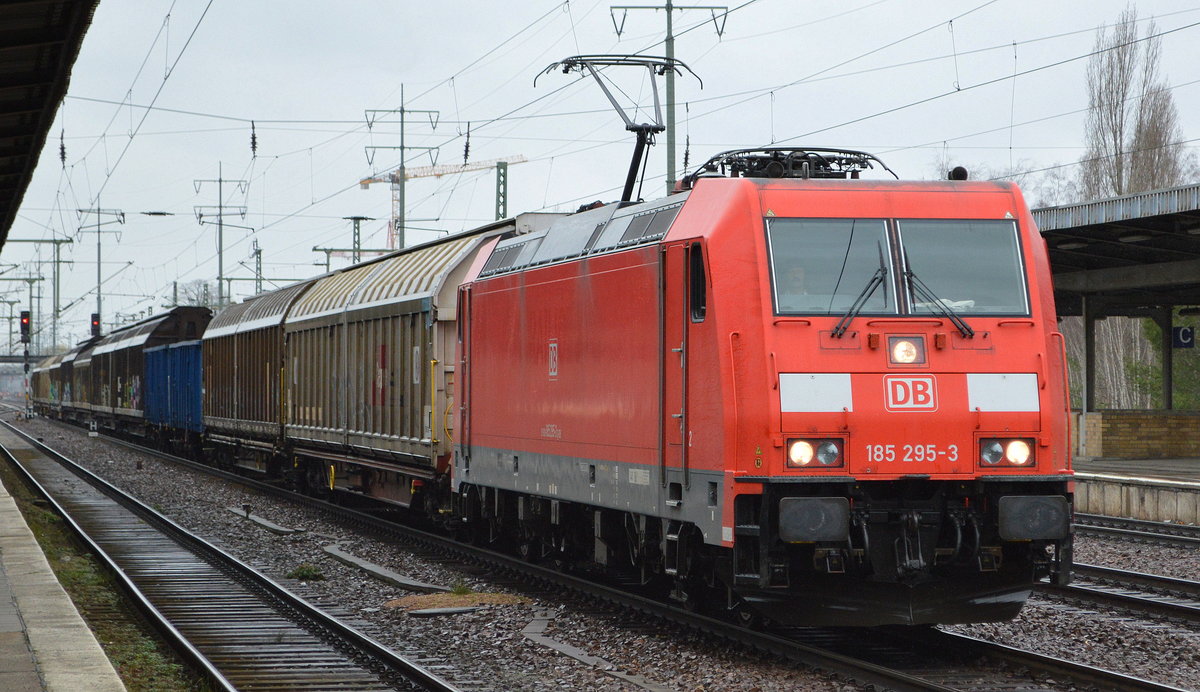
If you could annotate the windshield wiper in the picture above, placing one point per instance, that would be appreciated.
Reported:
(844, 323)
(919, 288)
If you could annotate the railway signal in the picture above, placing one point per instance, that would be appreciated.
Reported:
(95, 324)
(25, 330)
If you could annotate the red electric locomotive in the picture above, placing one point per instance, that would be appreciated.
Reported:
(787, 390)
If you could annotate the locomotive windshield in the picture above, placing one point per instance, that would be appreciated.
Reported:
(968, 266)
(821, 266)
(973, 266)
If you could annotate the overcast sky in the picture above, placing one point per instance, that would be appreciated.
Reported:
(915, 83)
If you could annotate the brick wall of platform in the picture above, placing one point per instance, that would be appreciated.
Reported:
(1137, 434)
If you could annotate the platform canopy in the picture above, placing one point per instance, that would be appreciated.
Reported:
(1131, 256)
(1126, 254)
(39, 41)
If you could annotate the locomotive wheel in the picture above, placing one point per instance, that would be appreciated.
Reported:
(745, 616)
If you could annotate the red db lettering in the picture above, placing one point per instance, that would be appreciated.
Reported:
(921, 393)
(910, 393)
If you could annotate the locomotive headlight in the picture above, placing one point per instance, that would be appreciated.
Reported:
(1017, 452)
(800, 453)
(828, 453)
(1006, 452)
(803, 453)
(991, 452)
(906, 350)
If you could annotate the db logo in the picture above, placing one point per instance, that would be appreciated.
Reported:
(553, 359)
(910, 393)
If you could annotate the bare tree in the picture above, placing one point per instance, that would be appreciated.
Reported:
(198, 292)
(1132, 133)
(1133, 145)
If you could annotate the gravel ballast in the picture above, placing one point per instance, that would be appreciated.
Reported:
(487, 645)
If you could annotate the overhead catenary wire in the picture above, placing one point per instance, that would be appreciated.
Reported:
(987, 82)
(756, 92)
(573, 146)
(163, 83)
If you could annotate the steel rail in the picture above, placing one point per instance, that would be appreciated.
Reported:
(175, 638)
(1097, 678)
(1138, 529)
(1155, 582)
(1162, 599)
(279, 598)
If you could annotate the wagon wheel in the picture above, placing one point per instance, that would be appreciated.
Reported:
(527, 549)
(743, 615)
(315, 480)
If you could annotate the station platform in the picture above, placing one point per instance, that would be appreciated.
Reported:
(44, 643)
(1165, 490)
(1182, 469)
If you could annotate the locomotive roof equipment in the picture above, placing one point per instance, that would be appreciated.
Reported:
(787, 162)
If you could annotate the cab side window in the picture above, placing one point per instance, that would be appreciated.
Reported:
(697, 283)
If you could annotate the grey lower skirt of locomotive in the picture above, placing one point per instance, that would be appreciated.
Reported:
(914, 551)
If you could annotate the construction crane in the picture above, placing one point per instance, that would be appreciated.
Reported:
(397, 177)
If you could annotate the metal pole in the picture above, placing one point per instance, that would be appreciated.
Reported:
(11, 317)
(258, 275)
(1089, 354)
(54, 312)
(98, 281)
(501, 190)
(356, 243)
(670, 102)
(356, 237)
(35, 336)
(222, 297)
(220, 235)
(400, 180)
(28, 398)
(1165, 320)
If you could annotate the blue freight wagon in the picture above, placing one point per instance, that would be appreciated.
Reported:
(173, 386)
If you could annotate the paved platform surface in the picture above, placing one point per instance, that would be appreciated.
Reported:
(44, 643)
(1163, 469)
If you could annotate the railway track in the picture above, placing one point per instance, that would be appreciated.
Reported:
(1138, 530)
(894, 659)
(239, 629)
(948, 661)
(1152, 594)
